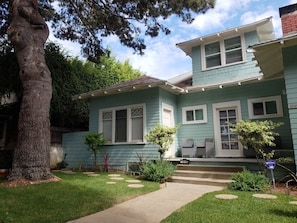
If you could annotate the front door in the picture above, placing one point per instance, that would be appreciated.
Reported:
(226, 142)
(168, 120)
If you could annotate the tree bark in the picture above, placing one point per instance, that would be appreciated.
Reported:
(28, 32)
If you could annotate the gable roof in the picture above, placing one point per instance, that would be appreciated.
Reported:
(264, 29)
(139, 83)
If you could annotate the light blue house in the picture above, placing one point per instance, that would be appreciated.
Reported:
(239, 73)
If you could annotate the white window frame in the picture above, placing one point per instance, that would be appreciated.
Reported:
(279, 107)
(129, 123)
(193, 108)
(222, 53)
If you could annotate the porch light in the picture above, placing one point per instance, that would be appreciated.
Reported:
(221, 86)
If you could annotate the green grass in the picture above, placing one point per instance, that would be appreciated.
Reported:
(245, 209)
(71, 198)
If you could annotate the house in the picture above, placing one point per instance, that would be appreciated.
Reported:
(239, 73)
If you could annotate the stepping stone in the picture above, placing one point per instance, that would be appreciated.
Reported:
(133, 181)
(88, 173)
(135, 185)
(293, 202)
(117, 178)
(114, 175)
(265, 196)
(110, 182)
(226, 196)
(94, 175)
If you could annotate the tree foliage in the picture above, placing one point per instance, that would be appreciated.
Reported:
(70, 76)
(256, 134)
(89, 22)
(94, 141)
(162, 136)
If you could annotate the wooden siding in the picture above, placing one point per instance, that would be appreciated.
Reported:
(120, 154)
(228, 73)
(290, 71)
(199, 132)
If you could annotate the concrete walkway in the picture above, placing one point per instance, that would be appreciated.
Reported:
(152, 207)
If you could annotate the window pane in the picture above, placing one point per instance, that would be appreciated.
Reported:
(137, 129)
(199, 114)
(271, 107)
(213, 61)
(233, 56)
(213, 48)
(107, 130)
(233, 43)
(190, 116)
(258, 108)
(121, 126)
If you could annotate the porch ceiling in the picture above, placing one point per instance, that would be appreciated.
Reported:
(269, 56)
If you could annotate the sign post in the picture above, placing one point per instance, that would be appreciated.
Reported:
(270, 164)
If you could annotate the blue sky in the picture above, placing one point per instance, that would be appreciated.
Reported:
(162, 59)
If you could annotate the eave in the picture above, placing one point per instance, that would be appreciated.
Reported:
(269, 55)
(264, 30)
(130, 87)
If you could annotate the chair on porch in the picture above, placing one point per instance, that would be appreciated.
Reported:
(188, 149)
(205, 149)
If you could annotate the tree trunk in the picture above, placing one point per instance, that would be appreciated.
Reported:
(28, 32)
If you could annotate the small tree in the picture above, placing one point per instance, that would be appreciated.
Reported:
(161, 136)
(256, 134)
(94, 141)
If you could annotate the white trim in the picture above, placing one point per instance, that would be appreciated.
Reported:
(129, 128)
(222, 53)
(193, 108)
(279, 107)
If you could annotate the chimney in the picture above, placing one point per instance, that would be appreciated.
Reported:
(288, 15)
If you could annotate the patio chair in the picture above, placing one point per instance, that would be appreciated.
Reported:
(188, 149)
(205, 149)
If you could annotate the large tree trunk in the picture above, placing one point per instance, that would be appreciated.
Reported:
(28, 32)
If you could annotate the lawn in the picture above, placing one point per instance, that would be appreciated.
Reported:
(244, 209)
(76, 195)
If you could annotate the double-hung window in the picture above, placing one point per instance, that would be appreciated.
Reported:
(123, 124)
(267, 107)
(194, 114)
(223, 52)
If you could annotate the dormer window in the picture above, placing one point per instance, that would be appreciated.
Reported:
(222, 53)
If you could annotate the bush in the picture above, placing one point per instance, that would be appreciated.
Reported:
(248, 181)
(157, 171)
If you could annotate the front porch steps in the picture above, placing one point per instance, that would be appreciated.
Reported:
(204, 174)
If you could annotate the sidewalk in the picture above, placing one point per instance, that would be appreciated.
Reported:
(152, 207)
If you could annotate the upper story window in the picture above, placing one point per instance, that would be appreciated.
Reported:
(223, 52)
(123, 124)
(194, 114)
(268, 107)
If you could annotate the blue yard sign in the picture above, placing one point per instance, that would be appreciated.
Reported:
(270, 164)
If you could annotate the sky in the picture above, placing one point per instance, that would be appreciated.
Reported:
(163, 60)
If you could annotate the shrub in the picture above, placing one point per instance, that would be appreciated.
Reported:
(94, 141)
(248, 181)
(157, 171)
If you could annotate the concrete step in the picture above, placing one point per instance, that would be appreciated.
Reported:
(203, 174)
(200, 181)
(220, 168)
